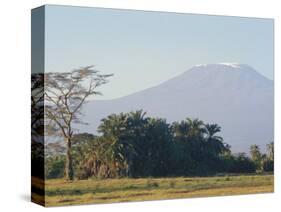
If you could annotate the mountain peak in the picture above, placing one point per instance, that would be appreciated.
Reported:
(222, 65)
(233, 95)
(231, 70)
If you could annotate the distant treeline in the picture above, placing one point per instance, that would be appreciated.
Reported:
(134, 145)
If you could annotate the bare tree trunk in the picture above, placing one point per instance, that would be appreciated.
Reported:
(68, 162)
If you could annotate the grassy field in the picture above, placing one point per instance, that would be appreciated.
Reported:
(60, 192)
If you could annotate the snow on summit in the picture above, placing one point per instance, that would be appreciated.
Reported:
(233, 95)
(227, 64)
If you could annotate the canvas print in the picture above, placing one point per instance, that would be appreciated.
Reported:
(137, 105)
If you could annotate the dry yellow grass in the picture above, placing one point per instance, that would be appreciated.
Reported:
(60, 192)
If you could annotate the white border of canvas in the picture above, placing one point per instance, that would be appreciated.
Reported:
(15, 103)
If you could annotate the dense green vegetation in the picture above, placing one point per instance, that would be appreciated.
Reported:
(132, 156)
(127, 144)
(134, 145)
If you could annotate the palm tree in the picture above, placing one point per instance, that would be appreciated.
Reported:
(270, 150)
(214, 142)
(158, 146)
(256, 156)
(136, 122)
(138, 115)
(117, 146)
(211, 130)
(255, 153)
(115, 154)
(181, 129)
(113, 125)
(197, 128)
(189, 128)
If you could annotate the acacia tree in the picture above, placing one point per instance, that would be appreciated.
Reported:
(65, 93)
(37, 124)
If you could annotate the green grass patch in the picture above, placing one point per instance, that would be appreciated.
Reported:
(61, 192)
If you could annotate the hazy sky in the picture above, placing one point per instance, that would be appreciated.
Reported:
(143, 49)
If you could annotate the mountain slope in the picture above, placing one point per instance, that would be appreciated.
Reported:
(234, 96)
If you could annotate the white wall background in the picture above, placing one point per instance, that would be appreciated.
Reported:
(15, 103)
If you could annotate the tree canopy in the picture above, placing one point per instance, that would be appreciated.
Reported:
(64, 95)
(136, 145)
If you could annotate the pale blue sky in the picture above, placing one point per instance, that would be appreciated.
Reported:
(143, 49)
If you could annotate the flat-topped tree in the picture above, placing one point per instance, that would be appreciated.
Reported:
(37, 124)
(65, 93)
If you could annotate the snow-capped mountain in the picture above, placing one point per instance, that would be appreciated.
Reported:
(235, 96)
